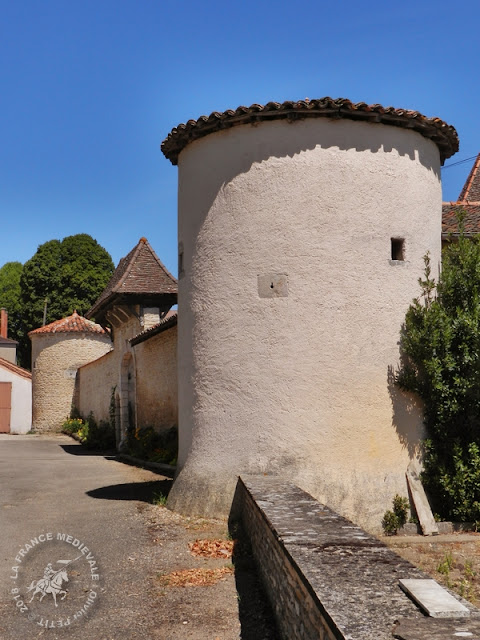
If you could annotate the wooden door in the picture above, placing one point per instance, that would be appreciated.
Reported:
(5, 406)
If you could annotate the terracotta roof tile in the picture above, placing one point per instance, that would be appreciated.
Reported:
(71, 324)
(5, 364)
(471, 220)
(140, 273)
(442, 134)
(468, 202)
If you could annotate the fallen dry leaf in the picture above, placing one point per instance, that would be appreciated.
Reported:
(195, 577)
(215, 548)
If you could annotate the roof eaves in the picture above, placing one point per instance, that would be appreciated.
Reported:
(15, 369)
(166, 323)
(442, 134)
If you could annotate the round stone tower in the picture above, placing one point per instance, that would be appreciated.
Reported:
(302, 231)
(58, 349)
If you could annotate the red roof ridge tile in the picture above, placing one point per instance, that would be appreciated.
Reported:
(459, 203)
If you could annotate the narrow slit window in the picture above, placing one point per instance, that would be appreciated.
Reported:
(398, 249)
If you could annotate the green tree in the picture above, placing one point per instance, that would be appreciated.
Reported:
(62, 276)
(441, 347)
(10, 297)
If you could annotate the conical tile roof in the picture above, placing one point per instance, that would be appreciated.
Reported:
(140, 277)
(71, 324)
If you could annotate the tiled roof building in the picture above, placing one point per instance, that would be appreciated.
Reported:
(19, 371)
(468, 202)
(140, 278)
(135, 305)
(272, 200)
(71, 324)
(58, 350)
(16, 396)
(442, 134)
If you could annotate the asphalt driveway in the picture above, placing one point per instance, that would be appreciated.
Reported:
(50, 487)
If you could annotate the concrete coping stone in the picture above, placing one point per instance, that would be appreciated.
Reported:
(411, 529)
(352, 576)
(437, 629)
(434, 599)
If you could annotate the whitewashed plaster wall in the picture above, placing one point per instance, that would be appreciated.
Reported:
(21, 400)
(300, 385)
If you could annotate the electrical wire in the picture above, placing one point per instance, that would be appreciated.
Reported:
(454, 164)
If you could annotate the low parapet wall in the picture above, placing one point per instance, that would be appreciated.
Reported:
(325, 577)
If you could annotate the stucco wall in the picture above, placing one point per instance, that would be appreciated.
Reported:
(94, 386)
(21, 401)
(116, 369)
(9, 353)
(156, 380)
(300, 385)
(55, 359)
(144, 376)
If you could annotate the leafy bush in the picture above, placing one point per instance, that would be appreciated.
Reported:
(148, 444)
(72, 425)
(99, 437)
(441, 347)
(394, 520)
(401, 507)
(458, 483)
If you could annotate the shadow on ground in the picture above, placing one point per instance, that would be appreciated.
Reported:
(141, 491)
(255, 613)
(79, 450)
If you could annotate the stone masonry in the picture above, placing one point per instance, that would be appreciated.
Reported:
(58, 350)
(327, 578)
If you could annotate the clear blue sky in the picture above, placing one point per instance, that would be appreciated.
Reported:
(89, 89)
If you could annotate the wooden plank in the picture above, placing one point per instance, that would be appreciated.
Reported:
(422, 507)
(433, 598)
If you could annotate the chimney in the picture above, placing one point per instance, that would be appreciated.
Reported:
(3, 323)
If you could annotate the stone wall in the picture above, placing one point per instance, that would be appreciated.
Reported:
(156, 380)
(325, 577)
(55, 359)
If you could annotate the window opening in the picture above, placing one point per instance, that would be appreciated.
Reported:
(398, 248)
